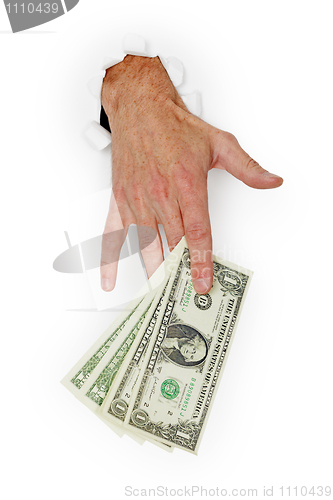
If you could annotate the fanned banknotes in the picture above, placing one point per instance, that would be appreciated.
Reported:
(154, 373)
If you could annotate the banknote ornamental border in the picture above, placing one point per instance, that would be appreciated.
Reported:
(140, 351)
(106, 377)
(186, 433)
(91, 364)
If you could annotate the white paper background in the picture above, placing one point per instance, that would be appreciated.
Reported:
(265, 73)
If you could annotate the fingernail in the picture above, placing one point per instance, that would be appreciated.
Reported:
(106, 285)
(201, 285)
(269, 174)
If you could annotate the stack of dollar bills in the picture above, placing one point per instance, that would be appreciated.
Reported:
(153, 374)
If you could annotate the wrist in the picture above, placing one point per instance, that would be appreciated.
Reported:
(137, 82)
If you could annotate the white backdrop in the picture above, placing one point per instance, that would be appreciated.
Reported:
(265, 73)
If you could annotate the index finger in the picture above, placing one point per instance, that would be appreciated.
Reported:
(194, 208)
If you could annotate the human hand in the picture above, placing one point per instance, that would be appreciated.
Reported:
(161, 155)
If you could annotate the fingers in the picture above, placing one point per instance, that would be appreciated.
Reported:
(232, 158)
(114, 235)
(171, 219)
(112, 240)
(194, 207)
(150, 244)
(190, 217)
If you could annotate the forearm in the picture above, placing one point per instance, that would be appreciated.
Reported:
(137, 86)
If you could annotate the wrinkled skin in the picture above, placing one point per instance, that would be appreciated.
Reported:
(161, 155)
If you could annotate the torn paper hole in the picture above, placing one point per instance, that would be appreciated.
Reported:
(98, 137)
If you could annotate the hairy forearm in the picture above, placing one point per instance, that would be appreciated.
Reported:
(146, 116)
(137, 85)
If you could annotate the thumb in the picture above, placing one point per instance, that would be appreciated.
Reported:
(231, 157)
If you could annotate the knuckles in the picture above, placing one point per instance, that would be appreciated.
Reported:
(174, 240)
(196, 233)
(184, 180)
(158, 188)
(252, 164)
(149, 241)
(230, 137)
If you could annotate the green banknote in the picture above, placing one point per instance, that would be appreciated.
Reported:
(183, 365)
(116, 403)
(124, 384)
(85, 367)
(96, 386)
(100, 387)
(92, 377)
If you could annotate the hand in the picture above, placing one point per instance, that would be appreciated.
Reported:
(161, 155)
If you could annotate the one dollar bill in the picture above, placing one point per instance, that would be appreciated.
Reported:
(116, 404)
(183, 366)
(92, 377)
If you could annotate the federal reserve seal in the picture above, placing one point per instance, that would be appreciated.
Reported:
(203, 302)
(170, 388)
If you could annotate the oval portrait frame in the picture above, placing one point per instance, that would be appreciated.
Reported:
(197, 332)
